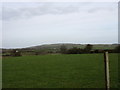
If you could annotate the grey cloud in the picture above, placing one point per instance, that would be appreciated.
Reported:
(48, 8)
(93, 10)
(26, 12)
(8, 14)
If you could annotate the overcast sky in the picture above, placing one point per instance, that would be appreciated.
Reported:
(30, 24)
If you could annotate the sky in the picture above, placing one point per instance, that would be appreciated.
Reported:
(35, 23)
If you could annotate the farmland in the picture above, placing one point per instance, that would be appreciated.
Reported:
(58, 71)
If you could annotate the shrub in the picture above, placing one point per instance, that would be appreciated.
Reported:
(15, 53)
(117, 49)
(63, 49)
(88, 48)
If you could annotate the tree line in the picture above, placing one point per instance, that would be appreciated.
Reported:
(75, 50)
(63, 50)
(88, 49)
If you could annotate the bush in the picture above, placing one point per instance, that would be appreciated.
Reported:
(63, 49)
(117, 49)
(74, 50)
(15, 53)
(88, 48)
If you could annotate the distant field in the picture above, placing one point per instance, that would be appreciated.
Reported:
(58, 71)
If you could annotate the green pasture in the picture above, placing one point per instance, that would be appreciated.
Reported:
(58, 71)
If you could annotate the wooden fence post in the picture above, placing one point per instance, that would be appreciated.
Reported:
(107, 75)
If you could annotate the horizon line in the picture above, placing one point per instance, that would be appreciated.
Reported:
(57, 43)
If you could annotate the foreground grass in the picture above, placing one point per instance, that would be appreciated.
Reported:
(58, 71)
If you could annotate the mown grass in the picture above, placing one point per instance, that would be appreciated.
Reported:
(58, 71)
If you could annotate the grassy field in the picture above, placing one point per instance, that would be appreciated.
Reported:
(58, 71)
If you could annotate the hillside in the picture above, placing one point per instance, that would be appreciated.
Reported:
(57, 46)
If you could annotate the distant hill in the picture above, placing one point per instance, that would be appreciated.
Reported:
(57, 46)
(54, 46)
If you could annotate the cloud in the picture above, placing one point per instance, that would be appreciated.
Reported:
(26, 24)
(59, 1)
(21, 10)
(45, 8)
